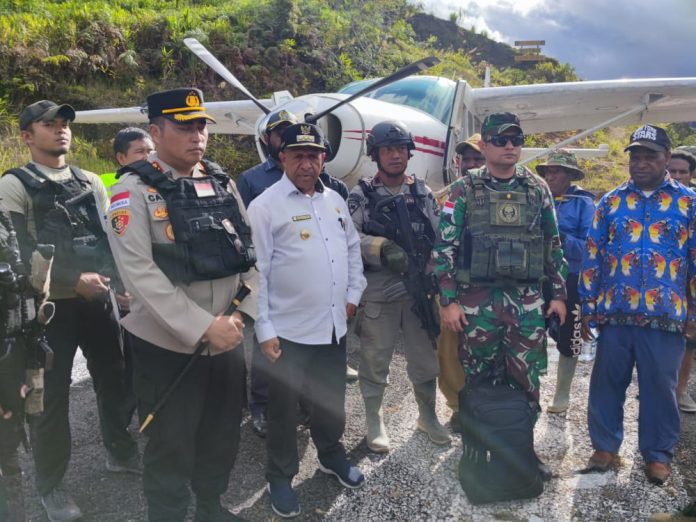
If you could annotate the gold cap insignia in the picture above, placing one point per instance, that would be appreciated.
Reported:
(192, 100)
(305, 129)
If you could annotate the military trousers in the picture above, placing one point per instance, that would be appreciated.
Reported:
(90, 326)
(515, 329)
(194, 437)
(317, 372)
(657, 356)
(452, 377)
(379, 325)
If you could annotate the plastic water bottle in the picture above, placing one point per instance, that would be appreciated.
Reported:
(589, 348)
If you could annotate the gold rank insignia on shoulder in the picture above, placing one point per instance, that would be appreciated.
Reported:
(304, 234)
(302, 217)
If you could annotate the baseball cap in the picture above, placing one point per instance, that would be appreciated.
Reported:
(562, 158)
(44, 110)
(471, 141)
(653, 138)
(302, 135)
(499, 122)
(177, 105)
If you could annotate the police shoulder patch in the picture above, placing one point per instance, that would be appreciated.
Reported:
(119, 220)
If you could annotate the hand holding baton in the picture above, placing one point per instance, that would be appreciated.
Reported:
(236, 301)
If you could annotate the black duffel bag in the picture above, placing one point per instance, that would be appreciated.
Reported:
(498, 461)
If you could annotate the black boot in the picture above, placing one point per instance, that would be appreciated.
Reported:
(210, 510)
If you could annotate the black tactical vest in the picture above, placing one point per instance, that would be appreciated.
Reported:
(77, 233)
(212, 239)
(386, 225)
(502, 243)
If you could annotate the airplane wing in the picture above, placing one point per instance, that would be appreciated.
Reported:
(233, 117)
(582, 105)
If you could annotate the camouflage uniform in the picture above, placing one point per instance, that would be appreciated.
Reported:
(506, 317)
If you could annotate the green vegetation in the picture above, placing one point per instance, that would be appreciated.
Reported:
(97, 54)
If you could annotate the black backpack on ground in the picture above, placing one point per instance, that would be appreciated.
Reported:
(498, 461)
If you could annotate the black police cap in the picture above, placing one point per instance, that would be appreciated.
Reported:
(178, 105)
(303, 135)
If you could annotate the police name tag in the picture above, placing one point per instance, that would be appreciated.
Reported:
(204, 189)
(303, 217)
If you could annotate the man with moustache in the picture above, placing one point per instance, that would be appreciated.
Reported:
(181, 239)
(637, 286)
(36, 196)
(386, 308)
(310, 284)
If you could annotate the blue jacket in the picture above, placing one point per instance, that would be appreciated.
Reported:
(574, 211)
(639, 266)
(254, 181)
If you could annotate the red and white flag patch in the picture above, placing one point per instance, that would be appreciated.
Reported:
(120, 200)
(204, 189)
(448, 207)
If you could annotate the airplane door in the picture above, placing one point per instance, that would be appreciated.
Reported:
(462, 124)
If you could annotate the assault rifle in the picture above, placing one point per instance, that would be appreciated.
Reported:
(419, 285)
(24, 352)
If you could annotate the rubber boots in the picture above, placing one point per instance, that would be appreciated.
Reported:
(11, 498)
(377, 439)
(427, 418)
(564, 378)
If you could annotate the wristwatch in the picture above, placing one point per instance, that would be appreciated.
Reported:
(446, 301)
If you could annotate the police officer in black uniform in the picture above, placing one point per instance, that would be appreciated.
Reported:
(179, 233)
(51, 202)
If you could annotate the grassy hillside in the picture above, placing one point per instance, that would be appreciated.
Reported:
(96, 54)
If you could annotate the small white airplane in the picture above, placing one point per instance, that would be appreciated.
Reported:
(439, 112)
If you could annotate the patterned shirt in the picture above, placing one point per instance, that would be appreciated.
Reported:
(639, 266)
(453, 223)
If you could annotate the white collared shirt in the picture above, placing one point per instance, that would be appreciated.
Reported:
(308, 256)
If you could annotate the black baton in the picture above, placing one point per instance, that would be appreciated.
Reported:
(236, 300)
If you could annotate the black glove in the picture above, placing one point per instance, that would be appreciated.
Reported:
(393, 257)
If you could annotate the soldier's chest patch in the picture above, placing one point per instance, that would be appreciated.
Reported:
(508, 213)
(119, 220)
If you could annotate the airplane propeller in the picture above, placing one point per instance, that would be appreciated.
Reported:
(199, 50)
(413, 68)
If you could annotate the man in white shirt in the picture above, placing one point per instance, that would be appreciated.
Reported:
(311, 280)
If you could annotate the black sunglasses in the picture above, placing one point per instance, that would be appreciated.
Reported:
(501, 141)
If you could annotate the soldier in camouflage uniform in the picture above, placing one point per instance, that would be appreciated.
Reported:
(498, 239)
(386, 307)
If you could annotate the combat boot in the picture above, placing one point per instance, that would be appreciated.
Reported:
(12, 498)
(564, 378)
(427, 418)
(377, 439)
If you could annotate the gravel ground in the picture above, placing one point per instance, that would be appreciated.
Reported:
(415, 481)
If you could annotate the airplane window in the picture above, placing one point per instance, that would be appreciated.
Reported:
(427, 93)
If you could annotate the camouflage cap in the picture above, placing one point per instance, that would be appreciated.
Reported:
(499, 122)
(471, 141)
(562, 158)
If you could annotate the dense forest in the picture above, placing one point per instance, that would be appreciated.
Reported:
(97, 54)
